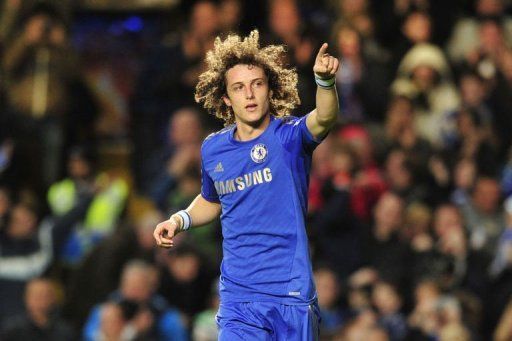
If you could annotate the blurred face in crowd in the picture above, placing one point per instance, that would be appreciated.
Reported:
(78, 167)
(327, 288)
(424, 77)
(417, 219)
(40, 297)
(138, 283)
(248, 94)
(486, 195)
(426, 295)
(472, 90)
(388, 213)
(464, 174)
(284, 18)
(353, 7)
(23, 222)
(446, 218)
(386, 299)
(466, 125)
(144, 229)
(489, 7)
(185, 128)
(43, 28)
(230, 14)
(399, 117)
(184, 268)
(397, 173)
(204, 19)
(491, 37)
(360, 142)
(112, 321)
(348, 42)
(417, 27)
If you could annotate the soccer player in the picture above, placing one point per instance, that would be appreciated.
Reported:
(255, 176)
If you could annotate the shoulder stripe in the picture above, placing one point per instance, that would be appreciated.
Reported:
(220, 132)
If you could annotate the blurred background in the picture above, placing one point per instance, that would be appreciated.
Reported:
(410, 203)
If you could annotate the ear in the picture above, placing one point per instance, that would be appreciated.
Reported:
(226, 100)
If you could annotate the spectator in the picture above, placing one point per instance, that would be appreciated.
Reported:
(231, 14)
(287, 26)
(205, 326)
(185, 280)
(464, 177)
(329, 294)
(27, 248)
(41, 321)
(104, 212)
(364, 78)
(151, 315)
(181, 153)
(424, 77)
(415, 29)
(382, 249)
(484, 216)
(423, 321)
(100, 272)
(167, 81)
(50, 106)
(114, 324)
(388, 303)
(464, 39)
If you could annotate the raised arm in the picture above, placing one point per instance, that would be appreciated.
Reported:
(201, 212)
(327, 106)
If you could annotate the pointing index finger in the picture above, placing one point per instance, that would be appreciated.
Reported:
(322, 51)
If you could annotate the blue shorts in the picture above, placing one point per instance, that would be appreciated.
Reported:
(267, 321)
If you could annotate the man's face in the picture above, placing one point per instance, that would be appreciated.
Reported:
(40, 297)
(247, 94)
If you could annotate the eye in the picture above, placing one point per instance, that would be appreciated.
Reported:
(237, 87)
(258, 83)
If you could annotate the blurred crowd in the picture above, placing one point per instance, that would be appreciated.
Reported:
(410, 203)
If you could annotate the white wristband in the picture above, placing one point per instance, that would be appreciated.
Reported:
(187, 220)
(325, 83)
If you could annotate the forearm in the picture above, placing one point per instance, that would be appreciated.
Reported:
(202, 211)
(327, 106)
(324, 116)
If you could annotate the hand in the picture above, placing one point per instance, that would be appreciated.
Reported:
(326, 65)
(167, 230)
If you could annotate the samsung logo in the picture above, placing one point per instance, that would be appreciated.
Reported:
(243, 182)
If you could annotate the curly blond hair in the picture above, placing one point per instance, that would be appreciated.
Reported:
(234, 50)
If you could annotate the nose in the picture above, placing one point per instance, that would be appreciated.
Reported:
(249, 94)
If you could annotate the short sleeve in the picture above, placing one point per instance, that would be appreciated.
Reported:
(208, 190)
(294, 131)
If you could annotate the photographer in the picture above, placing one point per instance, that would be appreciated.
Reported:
(148, 314)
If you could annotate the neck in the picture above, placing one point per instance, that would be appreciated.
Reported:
(40, 319)
(245, 132)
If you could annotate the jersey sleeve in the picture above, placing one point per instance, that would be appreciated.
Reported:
(208, 190)
(294, 131)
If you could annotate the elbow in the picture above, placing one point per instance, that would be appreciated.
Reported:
(327, 120)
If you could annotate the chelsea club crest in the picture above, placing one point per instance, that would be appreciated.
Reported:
(259, 153)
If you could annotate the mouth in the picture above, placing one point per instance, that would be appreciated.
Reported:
(251, 107)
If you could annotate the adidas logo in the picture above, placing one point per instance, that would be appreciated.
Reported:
(219, 168)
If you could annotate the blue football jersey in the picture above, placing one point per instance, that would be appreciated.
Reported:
(262, 186)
